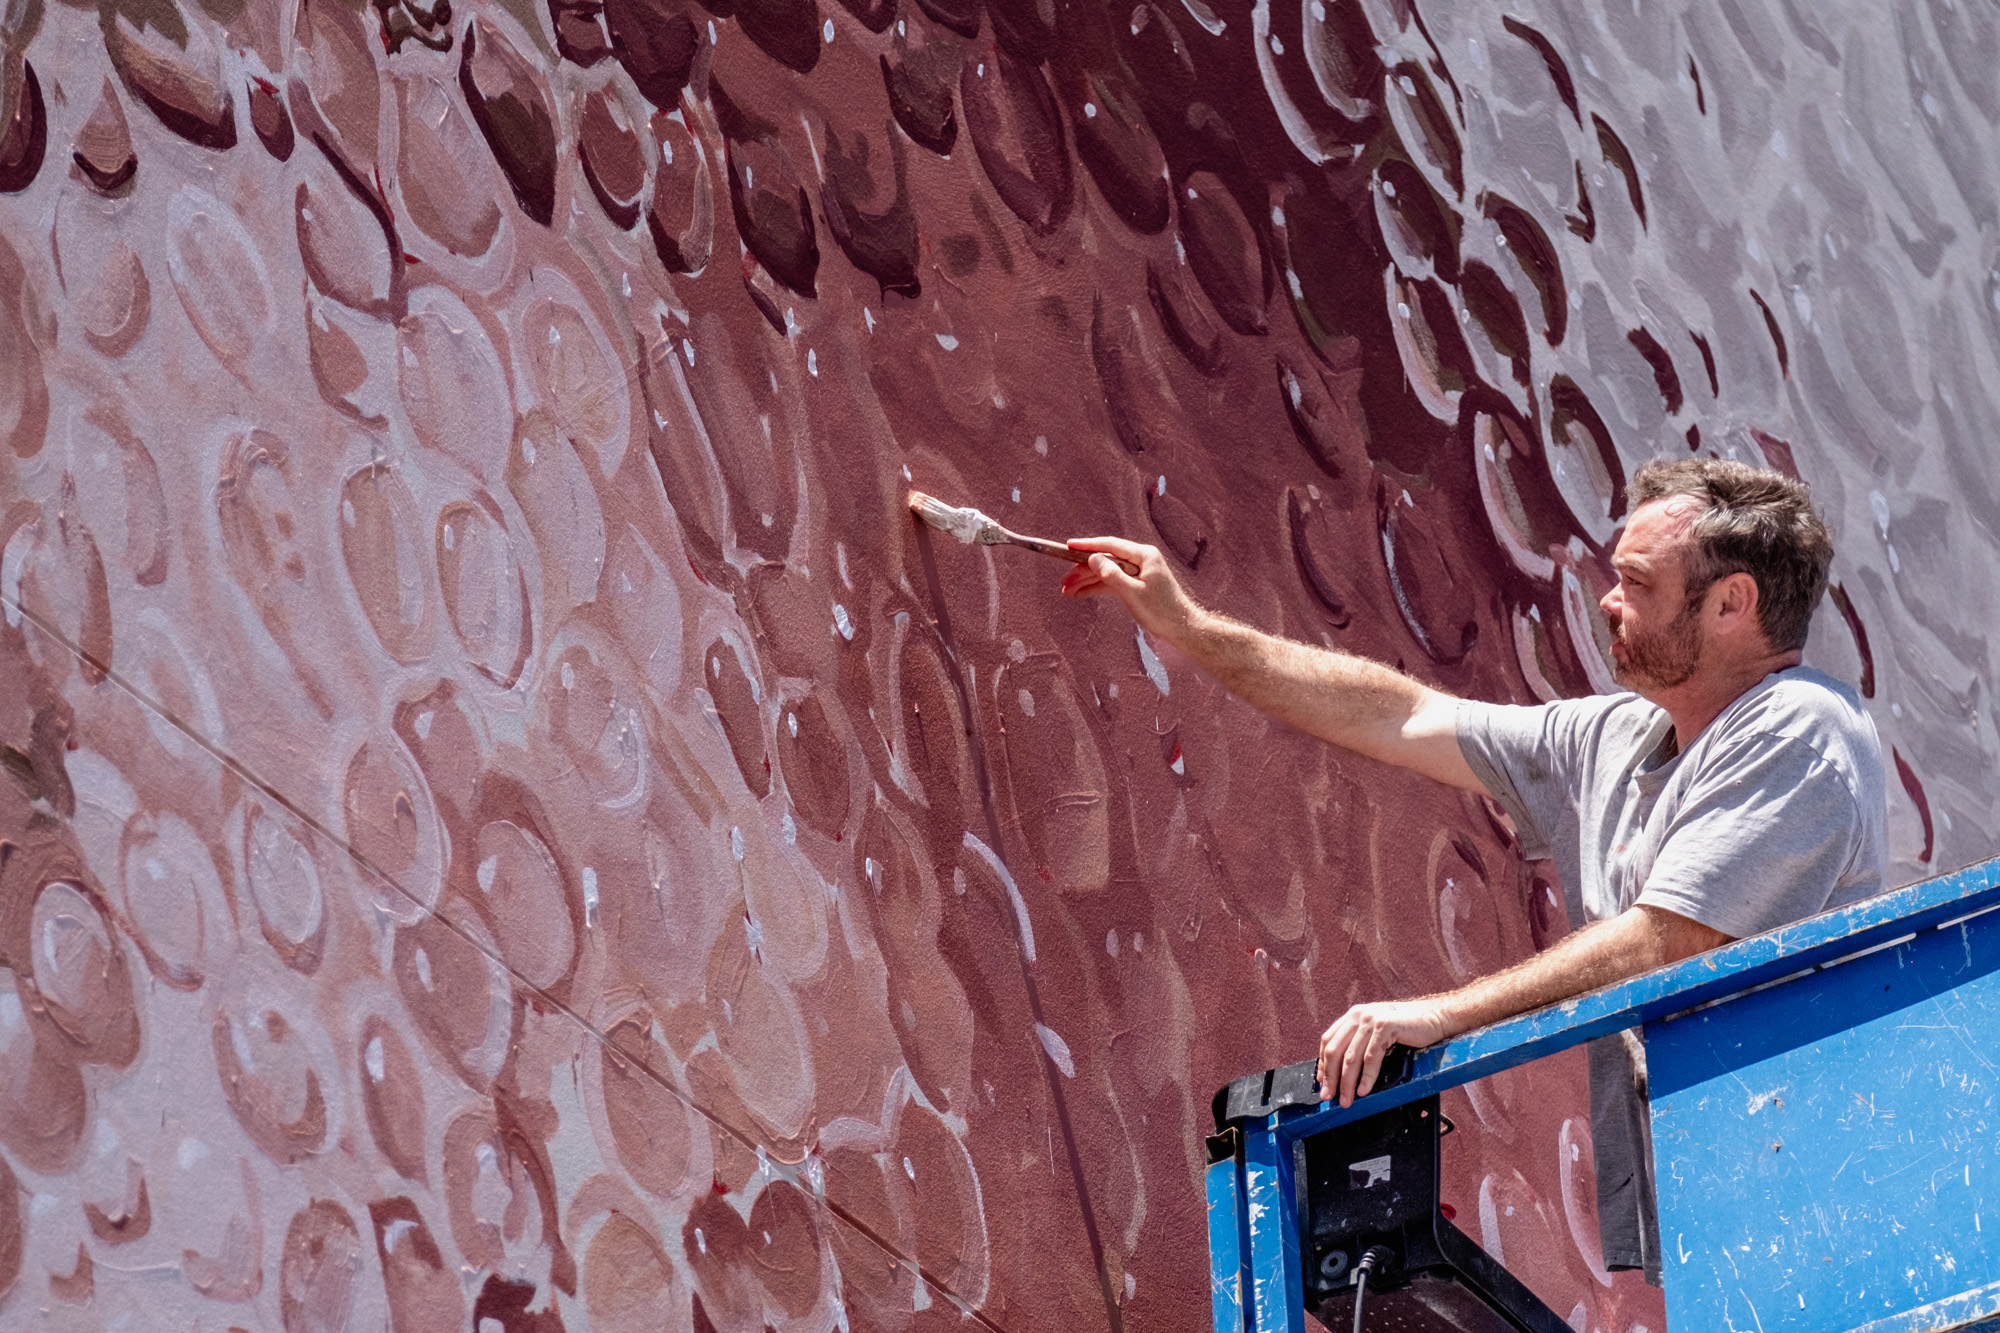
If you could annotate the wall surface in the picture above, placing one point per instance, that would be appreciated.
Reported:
(506, 818)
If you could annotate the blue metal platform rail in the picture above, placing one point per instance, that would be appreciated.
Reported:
(1825, 1106)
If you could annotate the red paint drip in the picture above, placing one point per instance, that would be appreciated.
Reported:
(1916, 790)
(1860, 633)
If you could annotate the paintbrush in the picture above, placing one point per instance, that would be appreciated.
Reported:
(976, 529)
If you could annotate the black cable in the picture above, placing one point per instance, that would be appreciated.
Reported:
(1376, 1256)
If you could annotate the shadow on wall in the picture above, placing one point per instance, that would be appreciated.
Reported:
(508, 823)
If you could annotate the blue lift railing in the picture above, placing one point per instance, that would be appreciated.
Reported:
(1825, 1104)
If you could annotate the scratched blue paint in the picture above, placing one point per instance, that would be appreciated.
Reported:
(1967, 1312)
(1225, 1245)
(1826, 1148)
(1889, 1097)
(1277, 1284)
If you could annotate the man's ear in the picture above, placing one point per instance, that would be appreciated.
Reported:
(1735, 600)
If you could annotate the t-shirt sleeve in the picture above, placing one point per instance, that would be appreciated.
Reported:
(1528, 757)
(1760, 841)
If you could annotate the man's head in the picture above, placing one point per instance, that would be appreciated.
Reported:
(1719, 560)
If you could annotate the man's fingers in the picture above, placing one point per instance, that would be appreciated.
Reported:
(1354, 1049)
(1085, 578)
(1107, 568)
(1371, 1065)
(1111, 567)
(1350, 1062)
(1080, 580)
(1331, 1047)
(1134, 552)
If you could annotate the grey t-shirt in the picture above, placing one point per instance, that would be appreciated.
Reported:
(1775, 812)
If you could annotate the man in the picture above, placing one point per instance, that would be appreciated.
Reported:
(1731, 791)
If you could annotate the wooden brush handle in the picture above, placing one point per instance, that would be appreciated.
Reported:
(1059, 550)
(1063, 551)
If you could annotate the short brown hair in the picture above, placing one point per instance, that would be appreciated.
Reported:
(1754, 521)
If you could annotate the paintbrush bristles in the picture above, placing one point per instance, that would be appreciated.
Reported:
(968, 525)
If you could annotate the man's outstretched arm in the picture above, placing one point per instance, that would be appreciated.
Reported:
(1601, 954)
(1351, 701)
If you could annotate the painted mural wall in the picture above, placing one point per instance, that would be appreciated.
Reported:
(507, 823)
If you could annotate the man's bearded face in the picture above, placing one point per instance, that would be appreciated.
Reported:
(1658, 657)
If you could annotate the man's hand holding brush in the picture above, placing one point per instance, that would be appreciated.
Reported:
(1153, 596)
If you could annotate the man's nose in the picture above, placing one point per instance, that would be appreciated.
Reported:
(1611, 603)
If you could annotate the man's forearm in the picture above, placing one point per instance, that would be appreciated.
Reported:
(1635, 941)
(1351, 701)
(1355, 703)
(1602, 954)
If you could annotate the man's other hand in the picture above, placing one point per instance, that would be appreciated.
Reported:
(1154, 596)
(1350, 1054)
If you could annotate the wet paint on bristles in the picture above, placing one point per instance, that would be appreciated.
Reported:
(965, 524)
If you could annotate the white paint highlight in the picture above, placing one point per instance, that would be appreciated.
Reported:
(999, 869)
(1057, 1048)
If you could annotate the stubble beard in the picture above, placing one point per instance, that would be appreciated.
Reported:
(1660, 659)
